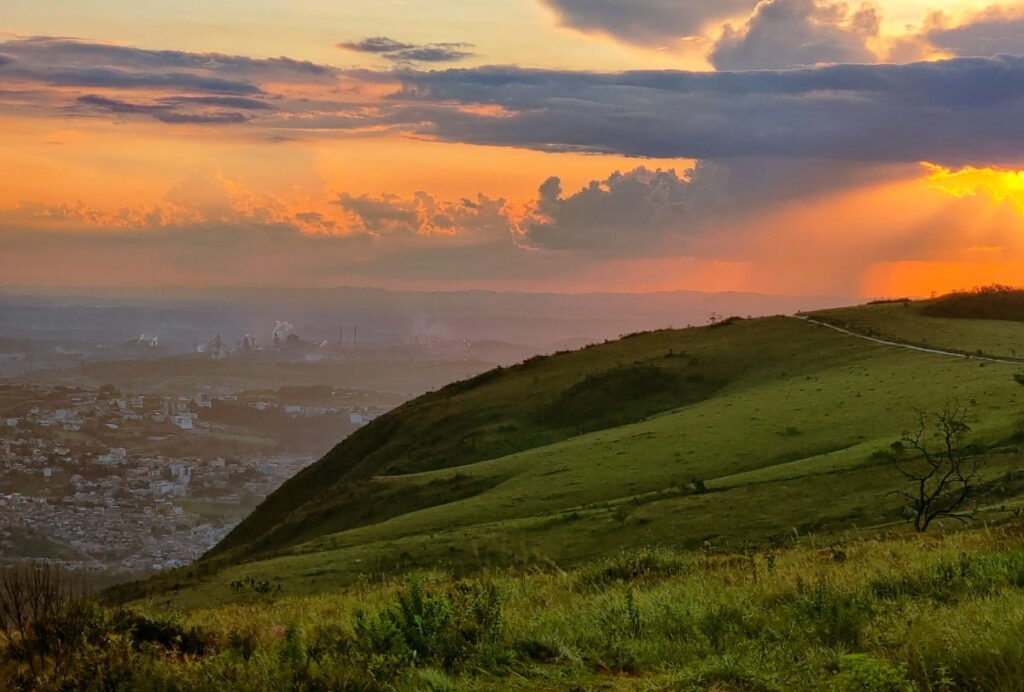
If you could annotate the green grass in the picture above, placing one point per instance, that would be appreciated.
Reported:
(909, 323)
(784, 421)
(699, 509)
(873, 612)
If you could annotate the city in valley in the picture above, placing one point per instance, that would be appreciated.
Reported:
(119, 482)
(136, 431)
(124, 456)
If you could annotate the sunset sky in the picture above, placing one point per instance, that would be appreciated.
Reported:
(786, 146)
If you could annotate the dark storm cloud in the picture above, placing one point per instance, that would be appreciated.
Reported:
(795, 33)
(399, 52)
(632, 212)
(645, 22)
(965, 110)
(950, 111)
(610, 214)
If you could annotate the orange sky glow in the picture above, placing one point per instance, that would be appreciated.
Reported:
(152, 150)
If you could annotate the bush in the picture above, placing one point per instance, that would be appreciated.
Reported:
(720, 624)
(53, 638)
(170, 636)
(621, 626)
(834, 618)
(432, 628)
(863, 673)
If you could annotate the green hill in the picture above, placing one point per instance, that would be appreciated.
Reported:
(785, 423)
(708, 508)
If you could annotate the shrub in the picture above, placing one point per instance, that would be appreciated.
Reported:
(864, 673)
(52, 638)
(835, 619)
(620, 626)
(721, 623)
(444, 629)
(168, 635)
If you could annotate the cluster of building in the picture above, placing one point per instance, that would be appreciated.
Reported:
(71, 410)
(91, 532)
(116, 512)
(93, 481)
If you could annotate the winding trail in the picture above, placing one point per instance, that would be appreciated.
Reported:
(908, 347)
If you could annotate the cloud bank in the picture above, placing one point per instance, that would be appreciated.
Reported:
(954, 111)
(958, 111)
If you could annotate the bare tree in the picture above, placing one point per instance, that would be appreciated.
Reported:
(40, 621)
(941, 467)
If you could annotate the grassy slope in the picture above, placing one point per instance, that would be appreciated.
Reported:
(908, 323)
(508, 411)
(780, 417)
(877, 613)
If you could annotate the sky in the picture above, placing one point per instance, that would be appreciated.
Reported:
(782, 146)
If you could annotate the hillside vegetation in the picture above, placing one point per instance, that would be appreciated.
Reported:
(880, 613)
(983, 322)
(736, 433)
(707, 508)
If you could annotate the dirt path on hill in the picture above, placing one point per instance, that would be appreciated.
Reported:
(908, 347)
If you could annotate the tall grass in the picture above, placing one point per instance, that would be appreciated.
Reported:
(892, 613)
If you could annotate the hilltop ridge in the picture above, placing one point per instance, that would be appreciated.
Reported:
(778, 424)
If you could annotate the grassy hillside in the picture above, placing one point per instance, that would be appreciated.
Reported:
(708, 508)
(878, 613)
(504, 412)
(785, 423)
(985, 322)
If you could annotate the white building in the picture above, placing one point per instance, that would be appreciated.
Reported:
(181, 472)
(114, 456)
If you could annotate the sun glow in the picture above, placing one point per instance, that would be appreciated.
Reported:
(1001, 184)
